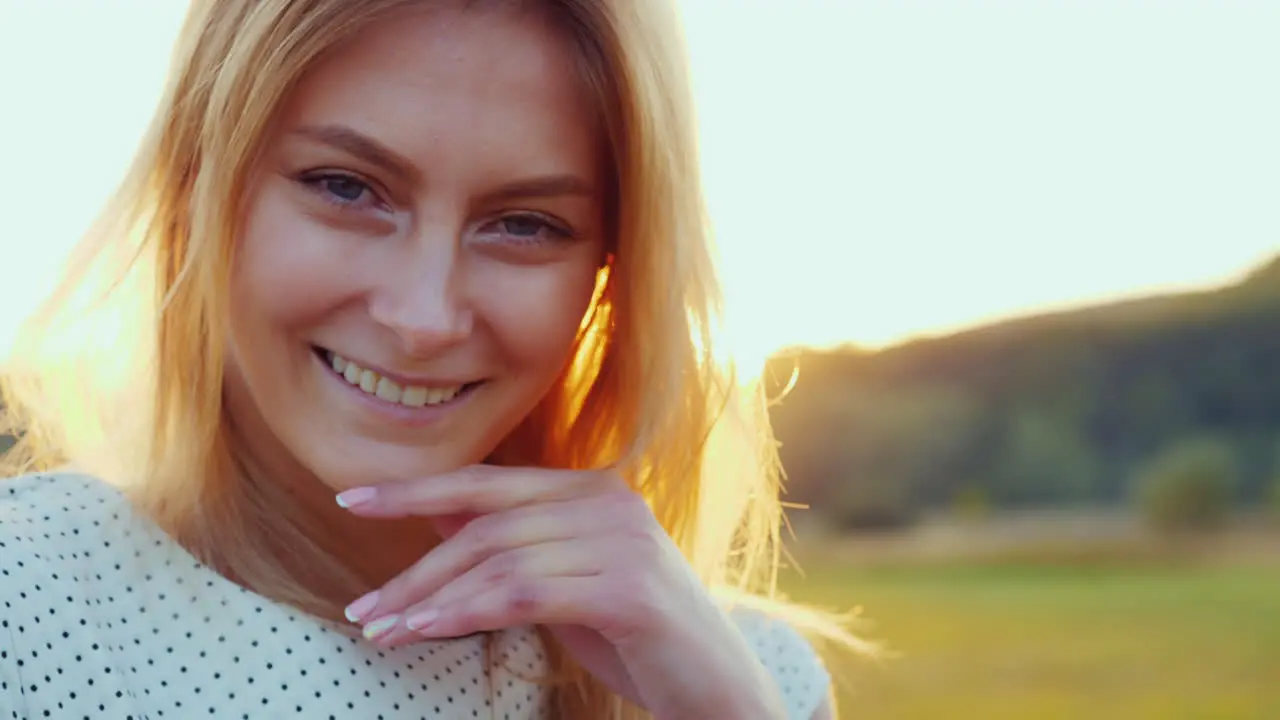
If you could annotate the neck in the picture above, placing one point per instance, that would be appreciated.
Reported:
(375, 550)
(303, 538)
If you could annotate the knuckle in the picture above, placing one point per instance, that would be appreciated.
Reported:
(478, 534)
(471, 489)
(502, 569)
(472, 546)
(524, 598)
(485, 535)
(473, 496)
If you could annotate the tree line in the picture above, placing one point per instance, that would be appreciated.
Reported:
(1069, 408)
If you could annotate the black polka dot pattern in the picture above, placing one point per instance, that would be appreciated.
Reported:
(790, 661)
(102, 615)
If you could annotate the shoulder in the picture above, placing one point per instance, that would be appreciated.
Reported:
(789, 658)
(55, 521)
(76, 491)
(50, 526)
(60, 508)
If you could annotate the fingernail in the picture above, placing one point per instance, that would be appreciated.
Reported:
(356, 611)
(355, 496)
(421, 619)
(380, 627)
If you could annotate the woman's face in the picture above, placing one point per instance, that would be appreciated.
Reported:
(420, 245)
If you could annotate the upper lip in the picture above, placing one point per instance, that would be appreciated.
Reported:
(403, 379)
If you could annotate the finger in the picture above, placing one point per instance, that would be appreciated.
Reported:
(479, 540)
(555, 600)
(565, 558)
(478, 490)
(516, 567)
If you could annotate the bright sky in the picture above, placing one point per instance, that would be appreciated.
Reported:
(876, 169)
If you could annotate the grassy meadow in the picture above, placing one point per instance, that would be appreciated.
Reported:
(1111, 630)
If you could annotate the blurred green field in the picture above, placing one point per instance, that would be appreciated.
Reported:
(1023, 641)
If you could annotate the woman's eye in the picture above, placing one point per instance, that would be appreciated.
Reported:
(341, 190)
(526, 228)
(346, 189)
(521, 225)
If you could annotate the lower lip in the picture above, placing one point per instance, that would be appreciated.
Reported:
(395, 412)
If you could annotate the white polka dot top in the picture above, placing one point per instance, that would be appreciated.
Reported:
(106, 617)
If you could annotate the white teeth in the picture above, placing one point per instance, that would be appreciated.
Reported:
(414, 396)
(388, 390)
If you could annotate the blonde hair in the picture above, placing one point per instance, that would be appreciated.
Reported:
(120, 372)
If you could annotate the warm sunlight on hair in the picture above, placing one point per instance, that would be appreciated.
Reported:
(176, 359)
(312, 303)
(72, 347)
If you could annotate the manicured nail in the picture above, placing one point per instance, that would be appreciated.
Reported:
(356, 611)
(355, 496)
(380, 627)
(422, 619)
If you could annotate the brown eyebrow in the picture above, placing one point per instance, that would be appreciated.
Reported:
(541, 187)
(373, 152)
(361, 146)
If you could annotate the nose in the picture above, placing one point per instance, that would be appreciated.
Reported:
(419, 298)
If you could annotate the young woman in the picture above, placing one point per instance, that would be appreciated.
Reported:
(386, 389)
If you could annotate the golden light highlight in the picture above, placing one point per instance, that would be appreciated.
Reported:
(130, 388)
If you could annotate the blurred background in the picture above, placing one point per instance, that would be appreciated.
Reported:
(1013, 269)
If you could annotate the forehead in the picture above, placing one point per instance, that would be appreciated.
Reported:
(432, 76)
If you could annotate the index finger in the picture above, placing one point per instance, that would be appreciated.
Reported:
(476, 489)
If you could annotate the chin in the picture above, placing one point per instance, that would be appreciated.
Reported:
(348, 461)
(349, 464)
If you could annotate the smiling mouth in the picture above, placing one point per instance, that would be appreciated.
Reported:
(388, 390)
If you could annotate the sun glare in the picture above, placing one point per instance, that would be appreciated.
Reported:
(866, 214)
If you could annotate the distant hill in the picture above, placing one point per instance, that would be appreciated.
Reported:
(1050, 409)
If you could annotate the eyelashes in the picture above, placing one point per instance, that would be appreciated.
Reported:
(350, 193)
(342, 190)
(525, 228)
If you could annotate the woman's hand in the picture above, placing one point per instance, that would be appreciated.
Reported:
(579, 552)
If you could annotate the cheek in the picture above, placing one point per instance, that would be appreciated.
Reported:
(536, 319)
(289, 270)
